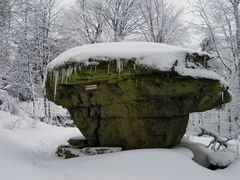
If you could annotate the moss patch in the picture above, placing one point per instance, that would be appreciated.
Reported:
(65, 152)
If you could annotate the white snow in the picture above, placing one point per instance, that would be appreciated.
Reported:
(204, 156)
(28, 107)
(199, 150)
(161, 56)
(184, 151)
(29, 153)
(222, 158)
(9, 121)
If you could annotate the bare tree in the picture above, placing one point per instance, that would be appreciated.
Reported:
(37, 42)
(45, 41)
(160, 22)
(121, 17)
(87, 21)
(220, 21)
(5, 44)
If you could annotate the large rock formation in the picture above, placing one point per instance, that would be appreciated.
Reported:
(118, 102)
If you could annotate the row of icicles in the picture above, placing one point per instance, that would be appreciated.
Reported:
(66, 73)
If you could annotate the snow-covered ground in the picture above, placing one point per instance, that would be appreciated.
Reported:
(28, 153)
(39, 103)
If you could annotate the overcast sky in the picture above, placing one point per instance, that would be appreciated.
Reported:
(181, 3)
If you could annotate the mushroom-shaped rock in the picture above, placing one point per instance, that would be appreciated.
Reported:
(133, 94)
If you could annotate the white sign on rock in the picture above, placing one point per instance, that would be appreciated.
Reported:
(91, 87)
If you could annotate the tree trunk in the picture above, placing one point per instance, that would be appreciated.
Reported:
(49, 113)
(32, 90)
(235, 4)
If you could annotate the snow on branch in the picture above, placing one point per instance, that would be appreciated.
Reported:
(217, 143)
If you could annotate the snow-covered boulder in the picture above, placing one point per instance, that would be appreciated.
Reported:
(199, 150)
(222, 159)
(133, 94)
(209, 158)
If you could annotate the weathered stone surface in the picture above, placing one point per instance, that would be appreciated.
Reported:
(138, 108)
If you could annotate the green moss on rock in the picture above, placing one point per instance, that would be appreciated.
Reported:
(65, 152)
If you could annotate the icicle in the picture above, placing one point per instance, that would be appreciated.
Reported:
(121, 65)
(222, 96)
(95, 69)
(80, 68)
(63, 74)
(136, 82)
(108, 68)
(55, 74)
(134, 66)
(91, 70)
(66, 77)
(75, 70)
(69, 73)
(118, 66)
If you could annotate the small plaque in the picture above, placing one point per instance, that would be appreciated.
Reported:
(91, 87)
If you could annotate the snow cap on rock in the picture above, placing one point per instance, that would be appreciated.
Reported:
(157, 55)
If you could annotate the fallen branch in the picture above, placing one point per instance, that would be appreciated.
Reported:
(217, 143)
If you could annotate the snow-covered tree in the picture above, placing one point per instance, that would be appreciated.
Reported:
(5, 24)
(160, 22)
(86, 21)
(36, 41)
(221, 25)
(45, 41)
(121, 17)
